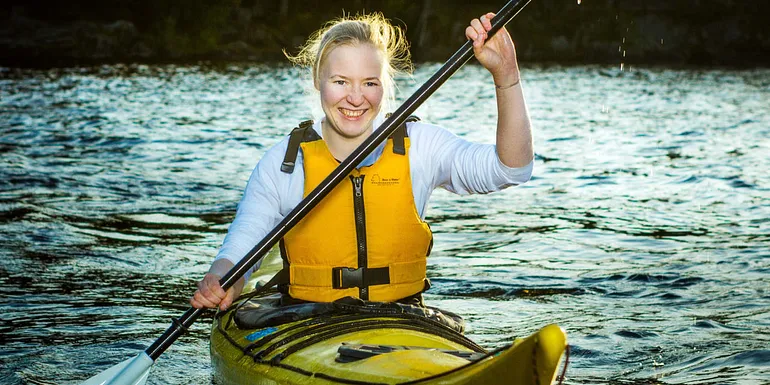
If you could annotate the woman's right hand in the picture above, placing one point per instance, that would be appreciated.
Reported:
(498, 55)
(211, 295)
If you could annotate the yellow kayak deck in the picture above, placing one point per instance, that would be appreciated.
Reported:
(381, 349)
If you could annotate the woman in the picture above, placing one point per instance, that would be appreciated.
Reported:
(367, 239)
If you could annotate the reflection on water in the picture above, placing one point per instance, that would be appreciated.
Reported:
(644, 231)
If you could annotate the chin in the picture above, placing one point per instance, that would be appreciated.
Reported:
(354, 132)
(355, 129)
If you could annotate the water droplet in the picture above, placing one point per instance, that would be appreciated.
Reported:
(578, 2)
(661, 41)
(624, 53)
(621, 66)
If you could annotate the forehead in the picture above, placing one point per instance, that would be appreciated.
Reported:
(353, 60)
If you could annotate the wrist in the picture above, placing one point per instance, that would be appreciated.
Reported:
(507, 81)
(501, 87)
(220, 267)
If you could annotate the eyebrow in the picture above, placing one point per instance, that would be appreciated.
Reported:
(345, 77)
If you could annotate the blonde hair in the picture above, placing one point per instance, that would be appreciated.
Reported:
(373, 29)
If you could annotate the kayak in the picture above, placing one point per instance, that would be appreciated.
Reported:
(349, 341)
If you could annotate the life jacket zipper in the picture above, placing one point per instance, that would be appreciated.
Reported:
(360, 215)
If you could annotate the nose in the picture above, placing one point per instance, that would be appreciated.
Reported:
(355, 96)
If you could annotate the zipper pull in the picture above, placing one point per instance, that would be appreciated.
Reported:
(358, 185)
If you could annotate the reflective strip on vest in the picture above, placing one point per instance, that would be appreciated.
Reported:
(327, 238)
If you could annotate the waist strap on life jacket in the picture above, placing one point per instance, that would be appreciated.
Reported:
(351, 277)
(348, 277)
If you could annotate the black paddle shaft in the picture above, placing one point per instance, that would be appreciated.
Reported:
(180, 325)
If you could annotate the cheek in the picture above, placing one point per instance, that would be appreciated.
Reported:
(328, 95)
(374, 96)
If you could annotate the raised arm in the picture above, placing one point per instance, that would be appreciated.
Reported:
(498, 56)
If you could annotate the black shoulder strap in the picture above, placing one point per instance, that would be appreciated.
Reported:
(399, 135)
(303, 133)
(306, 133)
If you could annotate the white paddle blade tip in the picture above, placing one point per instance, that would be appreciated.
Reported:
(133, 371)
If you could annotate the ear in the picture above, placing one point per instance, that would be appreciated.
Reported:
(316, 83)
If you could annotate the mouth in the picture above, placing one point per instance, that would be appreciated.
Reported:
(351, 114)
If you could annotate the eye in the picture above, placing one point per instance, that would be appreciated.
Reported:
(371, 84)
(340, 82)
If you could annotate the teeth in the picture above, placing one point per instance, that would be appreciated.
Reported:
(351, 113)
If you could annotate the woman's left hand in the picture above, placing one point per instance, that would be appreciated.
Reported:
(498, 55)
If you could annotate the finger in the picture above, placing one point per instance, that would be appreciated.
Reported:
(200, 299)
(228, 300)
(471, 33)
(204, 290)
(481, 34)
(216, 288)
(206, 295)
(206, 301)
(198, 304)
(476, 24)
(485, 21)
(490, 16)
(212, 285)
(474, 37)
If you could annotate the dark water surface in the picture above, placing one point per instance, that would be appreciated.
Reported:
(645, 231)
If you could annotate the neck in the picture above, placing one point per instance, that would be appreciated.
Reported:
(340, 146)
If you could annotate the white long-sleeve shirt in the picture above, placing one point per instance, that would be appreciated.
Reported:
(437, 158)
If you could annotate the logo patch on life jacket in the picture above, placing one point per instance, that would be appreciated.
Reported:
(381, 181)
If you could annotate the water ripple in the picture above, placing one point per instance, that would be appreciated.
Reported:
(644, 231)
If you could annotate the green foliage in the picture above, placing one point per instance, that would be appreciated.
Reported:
(595, 30)
(189, 27)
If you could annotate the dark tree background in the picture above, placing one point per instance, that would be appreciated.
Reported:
(700, 32)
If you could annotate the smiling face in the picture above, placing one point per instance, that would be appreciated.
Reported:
(350, 83)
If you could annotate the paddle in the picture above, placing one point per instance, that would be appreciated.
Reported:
(136, 370)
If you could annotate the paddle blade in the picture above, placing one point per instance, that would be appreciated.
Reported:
(133, 371)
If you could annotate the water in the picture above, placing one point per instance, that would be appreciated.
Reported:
(645, 231)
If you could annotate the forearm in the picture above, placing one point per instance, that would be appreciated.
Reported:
(514, 129)
(258, 212)
(439, 158)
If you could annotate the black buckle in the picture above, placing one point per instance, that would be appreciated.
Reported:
(347, 277)
(287, 167)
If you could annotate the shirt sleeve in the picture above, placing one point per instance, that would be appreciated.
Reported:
(260, 209)
(460, 166)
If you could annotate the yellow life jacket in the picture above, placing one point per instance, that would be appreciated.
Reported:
(365, 239)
